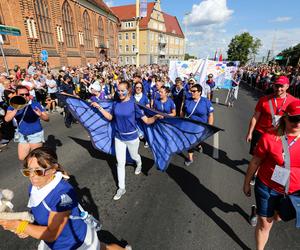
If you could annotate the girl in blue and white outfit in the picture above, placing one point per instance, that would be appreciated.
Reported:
(139, 95)
(165, 104)
(54, 205)
(124, 114)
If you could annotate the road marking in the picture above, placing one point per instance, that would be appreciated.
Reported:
(217, 100)
(216, 146)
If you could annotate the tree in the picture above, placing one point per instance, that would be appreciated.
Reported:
(242, 47)
(291, 56)
(188, 56)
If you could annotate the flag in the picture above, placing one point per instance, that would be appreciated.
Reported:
(220, 58)
(216, 55)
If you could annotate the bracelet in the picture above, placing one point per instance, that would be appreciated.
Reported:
(21, 227)
(100, 108)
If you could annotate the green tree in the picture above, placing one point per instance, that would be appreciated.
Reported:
(188, 56)
(290, 55)
(242, 47)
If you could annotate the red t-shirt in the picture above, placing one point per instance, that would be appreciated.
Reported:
(269, 148)
(264, 122)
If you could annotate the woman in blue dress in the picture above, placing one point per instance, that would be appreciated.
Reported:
(199, 109)
(54, 205)
(125, 113)
(165, 104)
(139, 95)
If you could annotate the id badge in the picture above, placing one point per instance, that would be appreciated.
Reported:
(280, 175)
(276, 120)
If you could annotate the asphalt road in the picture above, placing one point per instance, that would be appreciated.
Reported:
(187, 208)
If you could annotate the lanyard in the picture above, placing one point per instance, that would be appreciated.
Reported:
(196, 105)
(293, 141)
(279, 109)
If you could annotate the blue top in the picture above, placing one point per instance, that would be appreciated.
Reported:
(202, 111)
(154, 93)
(67, 88)
(125, 115)
(165, 107)
(31, 123)
(62, 198)
(146, 86)
(144, 100)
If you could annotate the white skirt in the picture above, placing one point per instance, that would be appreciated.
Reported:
(91, 241)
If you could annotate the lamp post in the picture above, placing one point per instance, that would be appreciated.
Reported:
(137, 10)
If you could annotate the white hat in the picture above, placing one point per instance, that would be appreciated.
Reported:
(95, 86)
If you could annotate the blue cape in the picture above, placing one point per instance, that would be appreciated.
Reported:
(165, 137)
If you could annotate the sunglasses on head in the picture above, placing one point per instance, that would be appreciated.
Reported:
(37, 171)
(294, 119)
(26, 94)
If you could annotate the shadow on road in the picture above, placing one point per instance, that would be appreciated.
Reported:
(111, 161)
(223, 158)
(85, 198)
(206, 200)
(52, 142)
(109, 238)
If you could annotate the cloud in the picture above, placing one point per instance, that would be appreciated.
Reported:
(208, 12)
(109, 3)
(281, 19)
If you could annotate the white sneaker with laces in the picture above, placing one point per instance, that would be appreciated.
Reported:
(138, 170)
(119, 194)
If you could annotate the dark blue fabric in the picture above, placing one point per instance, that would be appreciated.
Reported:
(165, 137)
(166, 107)
(295, 199)
(31, 123)
(144, 100)
(202, 111)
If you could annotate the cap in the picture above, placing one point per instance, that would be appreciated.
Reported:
(293, 108)
(95, 86)
(282, 80)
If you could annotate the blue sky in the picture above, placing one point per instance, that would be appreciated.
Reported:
(209, 25)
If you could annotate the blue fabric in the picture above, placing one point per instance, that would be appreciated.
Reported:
(166, 107)
(144, 100)
(154, 93)
(295, 199)
(202, 111)
(67, 88)
(31, 123)
(165, 137)
(62, 198)
(125, 115)
(146, 87)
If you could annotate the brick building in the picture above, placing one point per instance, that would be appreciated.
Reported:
(73, 32)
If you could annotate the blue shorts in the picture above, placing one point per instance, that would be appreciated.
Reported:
(267, 199)
(32, 139)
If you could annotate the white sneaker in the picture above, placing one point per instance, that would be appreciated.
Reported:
(4, 141)
(138, 170)
(128, 247)
(119, 194)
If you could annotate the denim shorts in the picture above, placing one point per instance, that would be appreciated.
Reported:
(32, 139)
(267, 199)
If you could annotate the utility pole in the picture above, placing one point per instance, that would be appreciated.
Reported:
(137, 12)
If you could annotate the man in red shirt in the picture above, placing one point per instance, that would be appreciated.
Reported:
(268, 111)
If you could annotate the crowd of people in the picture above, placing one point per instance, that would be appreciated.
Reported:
(275, 124)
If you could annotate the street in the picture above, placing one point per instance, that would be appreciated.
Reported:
(197, 207)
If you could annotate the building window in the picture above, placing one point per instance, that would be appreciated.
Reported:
(127, 60)
(127, 48)
(120, 48)
(133, 60)
(133, 35)
(101, 31)
(133, 48)
(68, 24)
(126, 36)
(87, 30)
(42, 12)
(120, 36)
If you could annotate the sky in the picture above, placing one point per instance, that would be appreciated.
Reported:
(209, 25)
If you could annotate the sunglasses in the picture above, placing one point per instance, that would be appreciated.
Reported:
(294, 119)
(37, 171)
(138, 87)
(194, 91)
(277, 86)
(27, 94)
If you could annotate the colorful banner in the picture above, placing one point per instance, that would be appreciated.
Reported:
(143, 8)
(223, 72)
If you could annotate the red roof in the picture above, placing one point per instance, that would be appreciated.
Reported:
(172, 25)
(127, 12)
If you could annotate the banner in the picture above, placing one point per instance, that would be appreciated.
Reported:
(223, 72)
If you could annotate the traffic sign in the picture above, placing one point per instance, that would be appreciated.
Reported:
(9, 30)
(44, 55)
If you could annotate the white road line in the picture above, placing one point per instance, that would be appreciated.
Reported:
(217, 100)
(216, 146)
